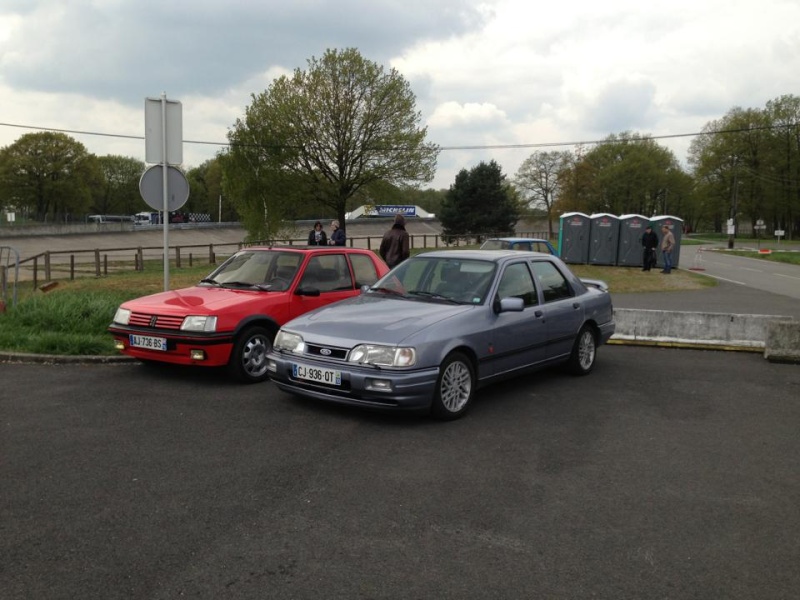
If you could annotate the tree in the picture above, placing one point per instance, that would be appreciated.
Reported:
(120, 192)
(49, 175)
(627, 173)
(480, 201)
(729, 165)
(253, 178)
(332, 131)
(206, 193)
(538, 180)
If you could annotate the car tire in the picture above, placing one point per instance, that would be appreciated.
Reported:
(248, 361)
(584, 352)
(455, 387)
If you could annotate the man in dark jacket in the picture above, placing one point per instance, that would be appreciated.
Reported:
(649, 243)
(394, 245)
(338, 237)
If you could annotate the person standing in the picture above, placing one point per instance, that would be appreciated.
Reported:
(667, 245)
(317, 236)
(649, 243)
(394, 247)
(337, 235)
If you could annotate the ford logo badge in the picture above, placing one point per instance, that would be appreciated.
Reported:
(325, 351)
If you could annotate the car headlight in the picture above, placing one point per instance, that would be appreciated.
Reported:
(289, 342)
(122, 316)
(383, 356)
(199, 323)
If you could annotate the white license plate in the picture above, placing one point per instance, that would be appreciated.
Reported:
(147, 342)
(317, 375)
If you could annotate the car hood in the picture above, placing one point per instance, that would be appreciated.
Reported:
(370, 318)
(197, 300)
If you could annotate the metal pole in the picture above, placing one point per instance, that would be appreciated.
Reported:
(164, 180)
(732, 235)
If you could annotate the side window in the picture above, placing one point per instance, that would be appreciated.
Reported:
(516, 281)
(521, 246)
(541, 247)
(327, 273)
(364, 270)
(554, 285)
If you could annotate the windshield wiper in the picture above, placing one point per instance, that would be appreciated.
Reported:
(387, 290)
(209, 280)
(239, 283)
(433, 296)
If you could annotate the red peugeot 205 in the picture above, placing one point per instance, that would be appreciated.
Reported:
(231, 317)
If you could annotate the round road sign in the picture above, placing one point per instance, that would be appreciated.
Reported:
(151, 187)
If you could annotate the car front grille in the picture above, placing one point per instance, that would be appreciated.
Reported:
(326, 352)
(155, 321)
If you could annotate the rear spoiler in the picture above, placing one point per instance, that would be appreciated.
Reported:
(596, 283)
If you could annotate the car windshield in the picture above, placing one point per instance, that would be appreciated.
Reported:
(270, 270)
(439, 279)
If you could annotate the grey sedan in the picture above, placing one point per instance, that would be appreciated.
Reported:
(440, 325)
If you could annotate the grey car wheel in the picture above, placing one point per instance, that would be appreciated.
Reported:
(248, 361)
(581, 361)
(454, 388)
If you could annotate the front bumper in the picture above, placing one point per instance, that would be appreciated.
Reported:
(402, 390)
(183, 348)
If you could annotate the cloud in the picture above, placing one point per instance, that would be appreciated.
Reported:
(498, 76)
(466, 116)
(120, 49)
(621, 106)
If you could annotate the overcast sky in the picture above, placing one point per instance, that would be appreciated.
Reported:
(492, 73)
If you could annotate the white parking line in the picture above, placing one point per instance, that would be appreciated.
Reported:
(787, 276)
(724, 279)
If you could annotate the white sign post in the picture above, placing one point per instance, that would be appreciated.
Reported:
(163, 141)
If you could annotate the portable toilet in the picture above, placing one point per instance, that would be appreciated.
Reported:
(676, 226)
(573, 238)
(630, 252)
(604, 239)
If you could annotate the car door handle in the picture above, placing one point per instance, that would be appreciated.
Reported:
(538, 313)
(576, 305)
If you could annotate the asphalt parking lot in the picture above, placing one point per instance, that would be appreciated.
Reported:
(663, 474)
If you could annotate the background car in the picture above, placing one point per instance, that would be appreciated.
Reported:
(440, 325)
(519, 243)
(231, 317)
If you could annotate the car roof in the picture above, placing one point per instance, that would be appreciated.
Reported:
(491, 255)
(516, 239)
(309, 249)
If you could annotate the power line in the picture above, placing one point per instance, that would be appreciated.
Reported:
(443, 148)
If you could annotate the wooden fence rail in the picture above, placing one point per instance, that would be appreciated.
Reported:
(98, 263)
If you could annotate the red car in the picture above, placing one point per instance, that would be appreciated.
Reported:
(231, 317)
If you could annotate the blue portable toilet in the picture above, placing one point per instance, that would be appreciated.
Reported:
(630, 252)
(676, 226)
(604, 239)
(573, 238)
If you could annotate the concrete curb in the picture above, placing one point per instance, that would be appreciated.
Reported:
(778, 337)
(783, 342)
(61, 359)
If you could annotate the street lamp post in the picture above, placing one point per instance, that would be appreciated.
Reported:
(732, 220)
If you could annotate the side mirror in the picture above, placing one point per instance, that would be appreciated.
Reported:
(509, 304)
